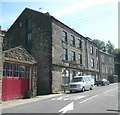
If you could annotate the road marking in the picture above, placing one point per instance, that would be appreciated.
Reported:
(88, 99)
(68, 97)
(67, 108)
(107, 91)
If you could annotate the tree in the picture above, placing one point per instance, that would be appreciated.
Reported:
(100, 44)
(110, 48)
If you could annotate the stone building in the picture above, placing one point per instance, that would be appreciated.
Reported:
(60, 51)
(92, 59)
(106, 65)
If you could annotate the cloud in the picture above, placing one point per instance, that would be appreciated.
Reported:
(83, 4)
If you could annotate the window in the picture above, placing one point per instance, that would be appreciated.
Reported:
(80, 58)
(9, 70)
(16, 70)
(110, 60)
(72, 40)
(64, 36)
(22, 71)
(73, 74)
(102, 58)
(96, 52)
(92, 62)
(72, 56)
(91, 49)
(29, 23)
(97, 62)
(4, 70)
(65, 54)
(20, 24)
(103, 69)
(28, 71)
(65, 77)
(29, 37)
(79, 43)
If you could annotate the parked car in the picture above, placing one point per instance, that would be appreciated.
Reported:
(81, 83)
(102, 82)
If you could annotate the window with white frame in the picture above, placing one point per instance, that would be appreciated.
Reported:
(16, 71)
(22, 71)
(4, 69)
(91, 49)
(10, 69)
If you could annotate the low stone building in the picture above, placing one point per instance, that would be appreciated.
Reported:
(19, 74)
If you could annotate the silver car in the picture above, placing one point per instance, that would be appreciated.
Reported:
(81, 83)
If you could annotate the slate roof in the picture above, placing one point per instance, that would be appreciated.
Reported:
(18, 54)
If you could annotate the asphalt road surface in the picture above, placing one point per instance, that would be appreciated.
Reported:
(102, 99)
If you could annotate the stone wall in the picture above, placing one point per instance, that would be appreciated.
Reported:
(40, 44)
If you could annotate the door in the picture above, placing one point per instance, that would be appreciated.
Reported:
(15, 81)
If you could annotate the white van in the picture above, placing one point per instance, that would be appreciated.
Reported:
(81, 83)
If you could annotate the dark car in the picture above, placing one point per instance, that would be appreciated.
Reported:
(102, 82)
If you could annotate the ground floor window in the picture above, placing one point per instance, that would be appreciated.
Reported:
(65, 77)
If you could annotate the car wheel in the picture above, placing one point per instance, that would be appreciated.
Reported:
(70, 91)
(91, 87)
(83, 89)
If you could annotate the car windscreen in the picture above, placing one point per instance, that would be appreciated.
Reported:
(77, 79)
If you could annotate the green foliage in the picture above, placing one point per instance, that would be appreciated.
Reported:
(100, 44)
(117, 51)
(110, 47)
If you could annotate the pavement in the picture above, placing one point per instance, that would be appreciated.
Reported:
(12, 103)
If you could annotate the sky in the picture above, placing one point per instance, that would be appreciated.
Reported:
(96, 19)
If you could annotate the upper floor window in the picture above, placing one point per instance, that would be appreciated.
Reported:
(97, 62)
(64, 36)
(80, 58)
(79, 43)
(96, 52)
(72, 40)
(102, 58)
(20, 24)
(110, 60)
(92, 62)
(29, 23)
(65, 54)
(73, 56)
(91, 49)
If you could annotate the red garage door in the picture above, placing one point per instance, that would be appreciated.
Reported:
(15, 81)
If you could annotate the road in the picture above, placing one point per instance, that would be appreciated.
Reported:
(102, 99)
